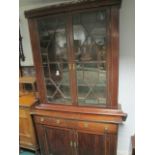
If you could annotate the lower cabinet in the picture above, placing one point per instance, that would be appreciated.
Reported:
(56, 140)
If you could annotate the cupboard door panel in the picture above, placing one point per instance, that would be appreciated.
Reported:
(41, 138)
(58, 141)
(91, 144)
(54, 141)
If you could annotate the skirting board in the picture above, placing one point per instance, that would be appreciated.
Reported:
(123, 153)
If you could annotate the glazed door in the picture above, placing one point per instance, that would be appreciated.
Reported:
(90, 33)
(55, 141)
(55, 58)
(90, 144)
(77, 58)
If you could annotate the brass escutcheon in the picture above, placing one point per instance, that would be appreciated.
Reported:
(86, 125)
(71, 144)
(106, 128)
(58, 121)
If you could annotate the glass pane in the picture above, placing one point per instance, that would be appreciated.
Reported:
(52, 33)
(91, 81)
(90, 36)
(89, 31)
(57, 84)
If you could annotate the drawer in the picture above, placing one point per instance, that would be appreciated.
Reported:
(55, 122)
(97, 127)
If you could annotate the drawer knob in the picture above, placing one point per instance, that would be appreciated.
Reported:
(42, 119)
(58, 121)
(86, 125)
(106, 129)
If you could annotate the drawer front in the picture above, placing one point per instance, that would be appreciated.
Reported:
(87, 126)
(97, 127)
(55, 122)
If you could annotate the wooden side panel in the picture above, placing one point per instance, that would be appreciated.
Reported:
(113, 58)
(24, 124)
(115, 50)
(26, 130)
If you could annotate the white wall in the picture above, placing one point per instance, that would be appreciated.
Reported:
(25, 39)
(126, 68)
(127, 73)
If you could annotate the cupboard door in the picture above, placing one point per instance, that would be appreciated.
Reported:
(41, 139)
(90, 33)
(59, 141)
(55, 141)
(55, 56)
(91, 144)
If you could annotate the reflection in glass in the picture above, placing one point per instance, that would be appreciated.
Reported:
(90, 35)
(53, 38)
